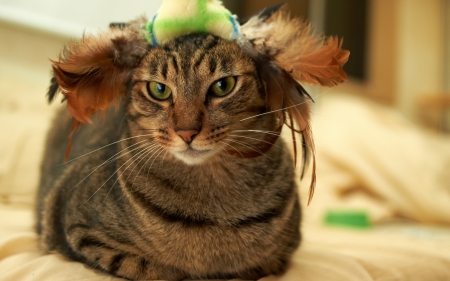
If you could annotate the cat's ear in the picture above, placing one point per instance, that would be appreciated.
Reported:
(288, 53)
(93, 73)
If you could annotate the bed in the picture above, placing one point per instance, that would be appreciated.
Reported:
(370, 159)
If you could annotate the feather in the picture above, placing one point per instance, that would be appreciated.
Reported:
(288, 53)
(271, 80)
(92, 73)
(53, 89)
(300, 114)
(288, 101)
(291, 45)
(264, 14)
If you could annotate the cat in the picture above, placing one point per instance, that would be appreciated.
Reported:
(183, 175)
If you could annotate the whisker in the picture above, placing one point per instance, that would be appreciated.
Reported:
(149, 150)
(107, 162)
(164, 158)
(272, 111)
(216, 145)
(257, 140)
(117, 170)
(260, 131)
(145, 164)
(152, 150)
(142, 155)
(232, 147)
(103, 147)
(249, 146)
(155, 158)
(123, 119)
(113, 158)
(284, 108)
(270, 133)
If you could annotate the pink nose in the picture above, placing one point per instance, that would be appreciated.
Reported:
(187, 136)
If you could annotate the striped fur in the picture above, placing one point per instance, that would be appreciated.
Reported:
(143, 207)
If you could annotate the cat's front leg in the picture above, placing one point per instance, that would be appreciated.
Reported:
(110, 256)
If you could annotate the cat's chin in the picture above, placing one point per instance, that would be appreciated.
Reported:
(193, 156)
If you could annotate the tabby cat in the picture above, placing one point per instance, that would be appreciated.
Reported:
(184, 175)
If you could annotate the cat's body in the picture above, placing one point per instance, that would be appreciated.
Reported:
(215, 221)
(187, 178)
(158, 216)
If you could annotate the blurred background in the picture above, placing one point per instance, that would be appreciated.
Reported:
(400, 49)
(393, 113)
(382, 139)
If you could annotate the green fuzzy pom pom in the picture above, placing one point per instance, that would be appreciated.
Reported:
(176, 18)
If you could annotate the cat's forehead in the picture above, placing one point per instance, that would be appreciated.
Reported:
(197, 43)
(196, 53)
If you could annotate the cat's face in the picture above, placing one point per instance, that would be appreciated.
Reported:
(191, 98)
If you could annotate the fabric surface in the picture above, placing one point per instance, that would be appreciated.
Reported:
(384, 253)
(369, 158)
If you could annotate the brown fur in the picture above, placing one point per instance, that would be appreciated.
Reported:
(142, 203)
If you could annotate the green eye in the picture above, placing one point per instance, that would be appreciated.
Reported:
(158, 91)
(223, 87)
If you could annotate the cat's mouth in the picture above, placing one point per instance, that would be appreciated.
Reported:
(193, 156)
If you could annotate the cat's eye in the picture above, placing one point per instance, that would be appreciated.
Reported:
(158, 91)
(223, 87)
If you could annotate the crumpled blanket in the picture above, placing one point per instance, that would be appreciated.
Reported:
(369, 158)
(372, 158)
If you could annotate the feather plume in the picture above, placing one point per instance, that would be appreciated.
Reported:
(92, 73)
(288, 52)
(292, 46)
(289, 102)
(300, 114)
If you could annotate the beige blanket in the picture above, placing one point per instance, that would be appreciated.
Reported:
(369, 158)
(409, 252)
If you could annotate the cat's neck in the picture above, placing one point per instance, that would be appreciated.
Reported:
(223, 184)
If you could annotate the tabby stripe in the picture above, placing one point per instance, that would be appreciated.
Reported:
(175, 64)
(169, 216)
(153, 69)
(207, 46)
(212, 66)
(211, 43)
(116, 262)
(167, 48)
(74, 227)
(89, 241)
(143, 263)
(199, 60)
(261, 218)
(190, 221)
(225, 64)
(164, 70)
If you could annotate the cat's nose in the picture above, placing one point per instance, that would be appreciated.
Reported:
(187, 136)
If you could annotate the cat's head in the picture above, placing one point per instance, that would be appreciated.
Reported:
(199, 95)
(195, 96)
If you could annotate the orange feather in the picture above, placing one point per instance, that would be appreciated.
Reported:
(288, 52)
(93, 73)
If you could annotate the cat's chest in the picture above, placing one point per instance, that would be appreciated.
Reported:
(204, 242)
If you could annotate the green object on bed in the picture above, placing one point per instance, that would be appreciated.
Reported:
(347, 218)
